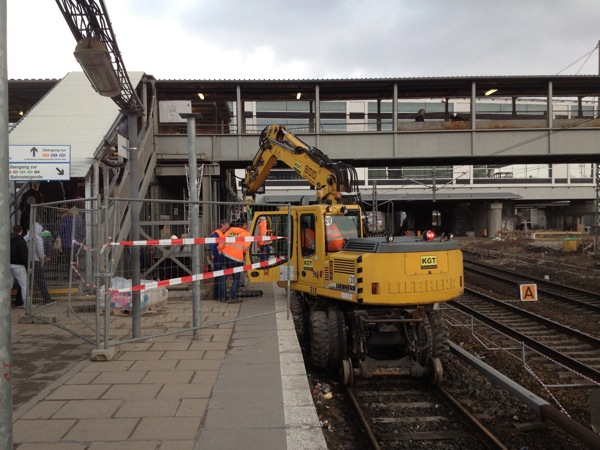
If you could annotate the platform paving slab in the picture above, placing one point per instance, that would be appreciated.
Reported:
(41, 430)
(167, 428)
(44, 410)
(131, 392)
(93, 430)
(51, 446)
(87, 409)
(148, 408)
(168, 376)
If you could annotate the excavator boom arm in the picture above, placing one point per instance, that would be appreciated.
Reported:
(329, 178)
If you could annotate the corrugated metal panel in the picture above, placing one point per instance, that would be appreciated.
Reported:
(72, 113)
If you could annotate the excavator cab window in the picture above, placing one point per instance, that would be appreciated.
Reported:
(269, 223)
(307, 235)
(338, 229)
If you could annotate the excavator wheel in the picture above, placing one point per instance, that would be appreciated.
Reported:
(439, 332)
(423, 339)
(300, 314)
(319, 339)
(432, 338)
(347, 372)
(338, 346)
(436, 371)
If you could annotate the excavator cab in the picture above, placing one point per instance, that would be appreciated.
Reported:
(307, 236)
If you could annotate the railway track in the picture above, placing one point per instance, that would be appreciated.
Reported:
(578, 300)
(562, 361)
(404, 413)
(408, 413)
(568, 347)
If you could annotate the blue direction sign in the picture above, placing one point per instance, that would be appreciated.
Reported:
(39, 162)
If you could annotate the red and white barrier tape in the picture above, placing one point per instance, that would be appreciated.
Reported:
(192, 241)
(202, 276)
(81, 245)
(83, 280)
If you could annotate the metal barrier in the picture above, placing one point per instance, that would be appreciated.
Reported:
(85, 283)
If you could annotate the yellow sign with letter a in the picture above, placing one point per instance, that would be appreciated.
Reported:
(528, 292)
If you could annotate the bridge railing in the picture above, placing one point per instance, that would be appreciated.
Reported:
(434, 122)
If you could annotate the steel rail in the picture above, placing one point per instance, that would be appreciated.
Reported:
(545, 409)
(363, 419)
(485, 435)
(566, 360)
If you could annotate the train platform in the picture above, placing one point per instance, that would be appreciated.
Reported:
(241, 385)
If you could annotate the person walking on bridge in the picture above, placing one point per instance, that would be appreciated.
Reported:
(420, 116)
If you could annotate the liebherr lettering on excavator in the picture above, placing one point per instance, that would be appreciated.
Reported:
(369, 303)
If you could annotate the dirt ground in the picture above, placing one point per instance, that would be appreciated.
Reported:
(552, 260)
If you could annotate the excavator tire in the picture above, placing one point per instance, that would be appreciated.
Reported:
(338, 347)
(424, 337)
(300, 314)
(319, 339)
(439, 331)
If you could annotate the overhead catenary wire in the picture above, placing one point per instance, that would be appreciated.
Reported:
(586, 56)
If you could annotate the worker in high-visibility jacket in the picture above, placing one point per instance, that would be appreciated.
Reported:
(335, 240)
(307, 240)
(264, 247)
(234, 255)
(218, 260)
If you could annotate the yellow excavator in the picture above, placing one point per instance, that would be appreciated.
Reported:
(370, 304)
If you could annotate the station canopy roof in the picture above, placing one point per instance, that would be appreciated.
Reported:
(24, 94)
(571, 86)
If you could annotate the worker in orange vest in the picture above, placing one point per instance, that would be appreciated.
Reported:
(335, 240)
(264, 247)
(218, 260)
(234, 255)
(307, 240)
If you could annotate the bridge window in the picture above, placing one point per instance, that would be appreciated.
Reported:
(414, 173)
(581, 171)
(519, 171)
(428, 173)
(385, 173)
(586, 111)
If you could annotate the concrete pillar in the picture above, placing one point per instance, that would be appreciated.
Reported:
(494, 219)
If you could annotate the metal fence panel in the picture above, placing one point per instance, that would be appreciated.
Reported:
(87, 269)
(62, 264)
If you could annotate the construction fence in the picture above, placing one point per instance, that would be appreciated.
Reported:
(82, 271)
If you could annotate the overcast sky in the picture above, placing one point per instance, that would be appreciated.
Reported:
(266, 39)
